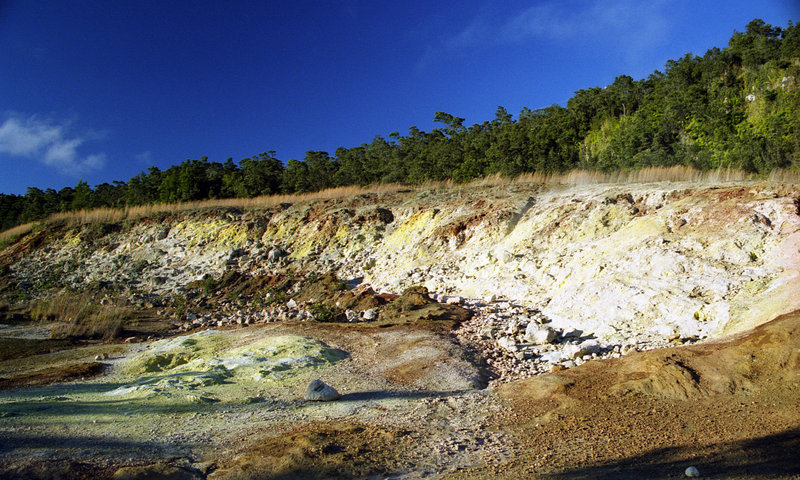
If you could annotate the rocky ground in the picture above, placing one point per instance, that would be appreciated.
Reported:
(582, 332)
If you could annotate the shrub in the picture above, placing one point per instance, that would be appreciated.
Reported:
(323, 313)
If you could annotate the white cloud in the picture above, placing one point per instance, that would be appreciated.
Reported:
(48, 142)
(630, 26)
(21, 138)
(144, 158)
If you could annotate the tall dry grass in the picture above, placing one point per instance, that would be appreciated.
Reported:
(112, 215)
(116, 215)
(11, 234)
(574, 177)
(81, 315)
(643, 175)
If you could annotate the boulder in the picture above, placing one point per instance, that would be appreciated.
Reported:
(539, 334)
(585, 348)
(319, 391)
(572, 333)
(692, 472)
(275, 254)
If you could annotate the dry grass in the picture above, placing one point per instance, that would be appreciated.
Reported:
(81, 316)
(12, 234)
(114, 215)
(643, 175)
(574, 177)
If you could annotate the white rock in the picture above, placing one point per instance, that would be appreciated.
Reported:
(586, 348)
(552, 357)
(453, 300)
(507, 343)
(665, 330)
(291, 303)
(370, 315)
(539, 334)
(319, 391)
(591, 347)
(275, 254)
(572, 351)
(512, 328)
(692, 472)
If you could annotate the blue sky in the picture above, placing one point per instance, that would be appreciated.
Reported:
(101, 90)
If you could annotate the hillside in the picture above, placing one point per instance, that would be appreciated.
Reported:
(500, 328)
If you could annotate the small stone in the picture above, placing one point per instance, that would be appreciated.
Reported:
(512, 328)
(291, 303)
(572, 333)
(453, 300)
(507, 343)
(370, 315)
(275, 255)
(692, 472)
(199, 399)
(586, 348)
(319, 391)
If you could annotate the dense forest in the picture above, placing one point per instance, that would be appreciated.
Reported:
(736, 107)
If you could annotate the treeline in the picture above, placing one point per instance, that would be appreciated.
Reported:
(735, 107)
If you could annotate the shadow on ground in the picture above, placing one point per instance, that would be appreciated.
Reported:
(770, 456)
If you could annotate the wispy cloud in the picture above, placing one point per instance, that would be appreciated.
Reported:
(49, 142)
(630, 23)
(144, 158)
(630, 26)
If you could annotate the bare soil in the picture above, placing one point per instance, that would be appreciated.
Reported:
(730, 408)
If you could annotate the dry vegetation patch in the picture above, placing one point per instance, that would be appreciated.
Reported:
(47, 376)
(82, 315)
(321, 450)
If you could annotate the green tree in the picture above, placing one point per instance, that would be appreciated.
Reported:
(83, 198)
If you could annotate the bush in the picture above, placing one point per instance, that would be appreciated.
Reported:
(323, 313)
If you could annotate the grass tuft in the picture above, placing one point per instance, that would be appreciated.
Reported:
(81, 315)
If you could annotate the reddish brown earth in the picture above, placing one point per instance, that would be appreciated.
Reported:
(731, 408)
